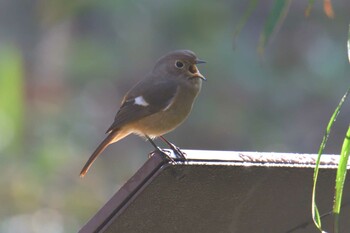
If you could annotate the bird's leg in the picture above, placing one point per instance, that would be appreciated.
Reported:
(158, 149)
(175, 149)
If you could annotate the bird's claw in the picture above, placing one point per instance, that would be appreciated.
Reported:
(179, 153)
(161, 151)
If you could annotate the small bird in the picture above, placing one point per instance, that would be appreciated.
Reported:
(157, 104)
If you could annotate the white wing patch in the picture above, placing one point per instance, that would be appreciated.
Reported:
(141, 101)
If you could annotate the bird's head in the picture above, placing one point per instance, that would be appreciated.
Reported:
(180, 64)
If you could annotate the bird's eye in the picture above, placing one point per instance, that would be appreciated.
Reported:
(179, 64)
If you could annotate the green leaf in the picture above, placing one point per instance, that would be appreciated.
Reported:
(315, 213)
(340, 179)
(274, 20)
(341, 172)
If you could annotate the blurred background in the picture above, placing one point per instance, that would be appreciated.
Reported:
(65, 66)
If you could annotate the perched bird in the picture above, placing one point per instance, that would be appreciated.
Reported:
(157, 104)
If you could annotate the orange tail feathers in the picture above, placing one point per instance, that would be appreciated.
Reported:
(114, 136)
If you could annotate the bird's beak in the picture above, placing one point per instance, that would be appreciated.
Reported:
(195, 72)
(199, 75)
(199, 61)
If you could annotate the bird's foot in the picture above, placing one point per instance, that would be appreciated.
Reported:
(178, 152)
(161, 151)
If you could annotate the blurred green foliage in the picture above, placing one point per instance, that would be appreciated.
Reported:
(11, 95)
(274, 20)
(65, 65)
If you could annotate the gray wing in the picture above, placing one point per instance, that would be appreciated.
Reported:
(157, 95)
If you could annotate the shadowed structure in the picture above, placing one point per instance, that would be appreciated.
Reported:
(224, 192)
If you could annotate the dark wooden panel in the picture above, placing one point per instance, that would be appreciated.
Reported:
(224, 192)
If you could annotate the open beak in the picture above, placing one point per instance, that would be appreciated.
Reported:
(195, 72)
(199, 61)
(199, 75)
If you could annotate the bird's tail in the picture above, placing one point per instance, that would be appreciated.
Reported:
(114, 136)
